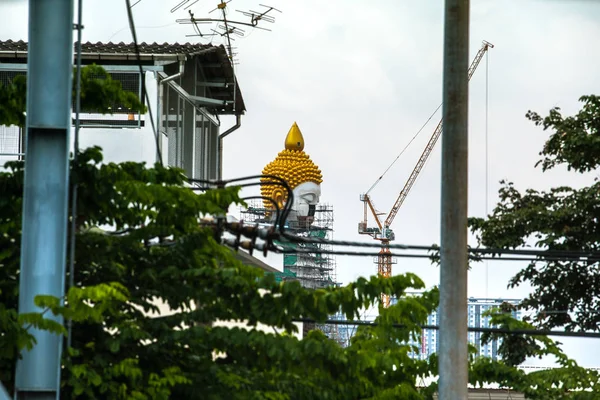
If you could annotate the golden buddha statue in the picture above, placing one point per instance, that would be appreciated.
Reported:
(300, 172)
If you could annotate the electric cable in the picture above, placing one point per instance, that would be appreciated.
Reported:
(143, 81)
(432, 256)
(548, 255)
(74, 162)
(526, 332)
(140, 27)
(404, 149)
(487, 163)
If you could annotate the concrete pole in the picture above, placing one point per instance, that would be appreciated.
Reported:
(453, 356)
(45, 196)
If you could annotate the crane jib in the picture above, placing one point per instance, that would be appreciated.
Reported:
(383, 232)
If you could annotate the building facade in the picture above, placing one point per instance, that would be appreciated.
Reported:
(476, 308)
(187, 88)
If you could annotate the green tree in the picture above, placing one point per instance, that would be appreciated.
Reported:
(121, 350)
(158, 251)
(99, 93)
(565, 293)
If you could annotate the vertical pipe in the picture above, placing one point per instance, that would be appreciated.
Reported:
(75, 154)
(45, 195)
(453, 359)
(238, 123)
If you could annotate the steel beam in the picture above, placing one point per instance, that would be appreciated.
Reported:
(214, 84)
(205, 101)
(453, 356)
(108, 68)
(45, 196)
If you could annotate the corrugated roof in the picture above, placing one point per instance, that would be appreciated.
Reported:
(213, 60)
(120, 48)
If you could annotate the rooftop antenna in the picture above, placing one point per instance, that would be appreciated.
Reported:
(181, 4)
(233, 30)
(256, 16)
(194, 22)
(226, 28)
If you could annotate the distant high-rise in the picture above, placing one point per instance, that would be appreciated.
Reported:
(476, 308)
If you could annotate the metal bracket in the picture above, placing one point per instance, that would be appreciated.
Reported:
(77, 26)
(205, 101)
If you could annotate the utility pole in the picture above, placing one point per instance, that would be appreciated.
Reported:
(453, 356)
(45, 195)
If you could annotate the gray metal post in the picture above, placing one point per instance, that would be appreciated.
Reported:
(45, 197)
(453, 356)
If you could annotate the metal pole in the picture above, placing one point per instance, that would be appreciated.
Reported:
(75, 154)
(453, 356)
(45, 196)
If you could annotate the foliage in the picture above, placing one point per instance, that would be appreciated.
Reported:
(158, 254)
(121, 350)
(12, 102)
(125, 347)
(99, 93)
(565, 293)
(567, 381)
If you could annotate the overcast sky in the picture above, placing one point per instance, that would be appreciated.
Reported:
(361, 77)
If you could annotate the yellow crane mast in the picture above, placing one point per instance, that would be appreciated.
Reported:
(382, 231)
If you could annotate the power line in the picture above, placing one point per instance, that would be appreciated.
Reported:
(477, 253)
(403, 150)
(526, 332)
(487, 163)
(143, 80)
(74, 162)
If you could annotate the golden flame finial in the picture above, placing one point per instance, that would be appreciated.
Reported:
(291, 164)
(294, 139)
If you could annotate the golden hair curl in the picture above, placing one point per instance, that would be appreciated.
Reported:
(293, 165)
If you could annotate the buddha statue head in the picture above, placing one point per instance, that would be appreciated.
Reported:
(302, 175)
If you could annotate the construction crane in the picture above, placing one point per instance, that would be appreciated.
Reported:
(382, 231)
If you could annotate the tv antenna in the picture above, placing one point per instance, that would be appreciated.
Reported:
(256, 16)
(225, 27)
(232, 30)
(194, 22)
(183, 3)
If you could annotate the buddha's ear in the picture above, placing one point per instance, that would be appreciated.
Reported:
(279, 197)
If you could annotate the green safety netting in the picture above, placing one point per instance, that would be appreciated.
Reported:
(319, 233)
(289, 259)
(285, 275)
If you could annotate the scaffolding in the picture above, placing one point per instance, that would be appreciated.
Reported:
(313, 266)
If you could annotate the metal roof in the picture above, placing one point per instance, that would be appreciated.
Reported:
(119, 48)
(213, 60)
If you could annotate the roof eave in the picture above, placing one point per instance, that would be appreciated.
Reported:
(107, 56)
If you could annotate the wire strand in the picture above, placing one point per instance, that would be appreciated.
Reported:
(403, 150)
(487, 163)
(482, 253)
(527, 332)
(74, 161)
(143, 81)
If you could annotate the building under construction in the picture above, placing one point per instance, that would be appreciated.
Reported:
(311, 264)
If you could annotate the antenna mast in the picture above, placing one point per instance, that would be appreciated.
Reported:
(227, 28)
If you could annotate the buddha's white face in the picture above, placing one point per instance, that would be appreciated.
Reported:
(306, 198)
